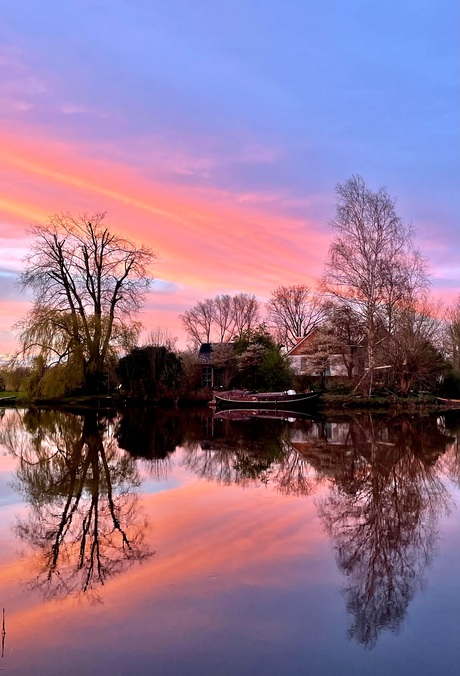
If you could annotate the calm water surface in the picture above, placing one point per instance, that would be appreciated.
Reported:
(179, 543)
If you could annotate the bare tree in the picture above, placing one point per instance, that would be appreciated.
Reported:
(222, 318)
(161, 337)
(88, 285)
(198, 321)
(453, 334)
(246, 313)
(372, 264)
(403, 282)
(412, 348)
(293, 312)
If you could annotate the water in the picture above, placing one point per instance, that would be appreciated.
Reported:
(178, 543)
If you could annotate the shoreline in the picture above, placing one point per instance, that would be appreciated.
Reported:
(328, 403)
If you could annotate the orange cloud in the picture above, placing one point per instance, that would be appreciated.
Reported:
(208, 241)
(206, 238)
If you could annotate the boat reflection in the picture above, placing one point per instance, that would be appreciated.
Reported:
(385, 481)
(241, 414)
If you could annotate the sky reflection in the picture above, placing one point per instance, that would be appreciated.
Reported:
(244, 577)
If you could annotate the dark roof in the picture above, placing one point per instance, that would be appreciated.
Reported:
(206, 349)
(205, 352)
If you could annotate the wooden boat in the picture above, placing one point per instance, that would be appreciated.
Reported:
(287, 401)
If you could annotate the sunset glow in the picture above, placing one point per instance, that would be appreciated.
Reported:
(222, 547)
(219, 151)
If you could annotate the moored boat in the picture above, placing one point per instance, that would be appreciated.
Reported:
(288, 401)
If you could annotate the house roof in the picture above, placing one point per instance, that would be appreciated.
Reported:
(300, 345)
(206, 350)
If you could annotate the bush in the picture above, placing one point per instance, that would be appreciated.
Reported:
(14, 377)
(450, 386)
(303, 382)
(339, 386)
(274, 371)
(150, 372)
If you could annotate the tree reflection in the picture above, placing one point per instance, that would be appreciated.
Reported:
(386, 492)
(386, 482)
(242, 454)
(381, 513)
(295, 475)
(84, 525)
(153, 434)
(449, 423)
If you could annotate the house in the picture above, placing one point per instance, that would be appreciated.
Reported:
(217, 362)
(313, 355)
(208, 370)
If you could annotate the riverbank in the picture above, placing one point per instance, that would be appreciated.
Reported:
(386, 403)
(328, 402)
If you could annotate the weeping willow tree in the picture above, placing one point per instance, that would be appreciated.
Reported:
(88, 285)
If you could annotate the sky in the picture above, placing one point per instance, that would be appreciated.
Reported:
(215, 131)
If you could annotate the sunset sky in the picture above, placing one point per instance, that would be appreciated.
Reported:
(216, 131)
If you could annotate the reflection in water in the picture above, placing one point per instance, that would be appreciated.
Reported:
(449, 423)
(381, 515)
(233, 454)
(255, 451)
(386, 493)
(386, 484)
(3, 632)
(84, 525)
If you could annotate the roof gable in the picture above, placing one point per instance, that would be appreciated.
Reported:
(301, 344)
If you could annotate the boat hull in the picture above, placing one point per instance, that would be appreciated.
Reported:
(281, 402)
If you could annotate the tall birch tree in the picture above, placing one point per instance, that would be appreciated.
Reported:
(372, 264)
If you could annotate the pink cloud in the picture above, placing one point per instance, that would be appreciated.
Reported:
(208, 240)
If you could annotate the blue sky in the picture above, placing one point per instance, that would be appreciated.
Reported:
(244, 115)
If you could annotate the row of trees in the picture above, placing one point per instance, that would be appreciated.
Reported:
(222, 318)
(88, 285)
(373, 297)
(292, 311)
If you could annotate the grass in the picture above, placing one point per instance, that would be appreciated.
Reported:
(355, 401)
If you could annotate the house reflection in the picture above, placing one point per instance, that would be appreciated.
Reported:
(386, 493)
(381, 513)
(385, 484)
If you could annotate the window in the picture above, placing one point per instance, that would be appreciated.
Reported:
(206, 377)
(304, 364)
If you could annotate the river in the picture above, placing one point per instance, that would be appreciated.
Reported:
(179, 542)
